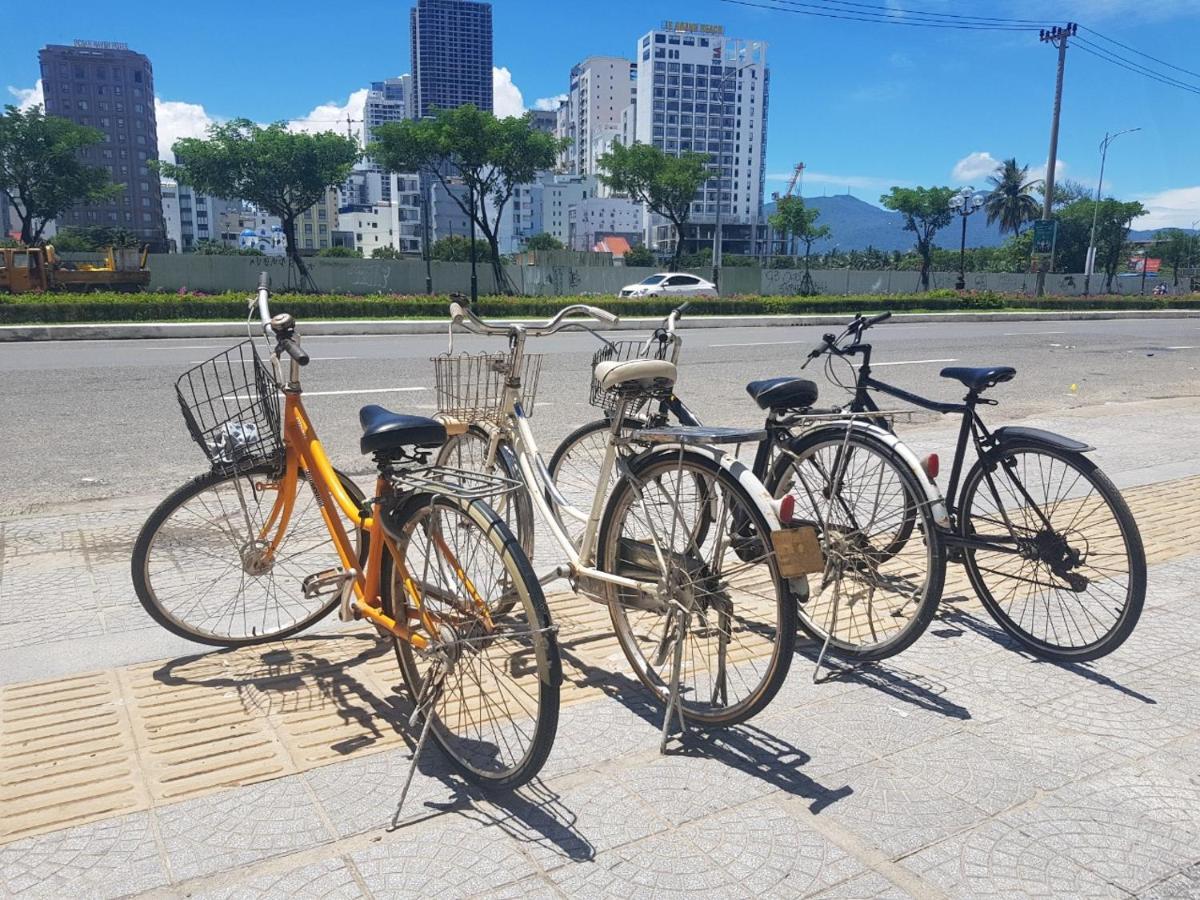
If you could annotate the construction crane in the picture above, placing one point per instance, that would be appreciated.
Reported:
(793, 183)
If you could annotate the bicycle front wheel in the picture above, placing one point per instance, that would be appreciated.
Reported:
(1067, 577)
(205, 569)
(885, 562)
(489, 680)
(729, 626)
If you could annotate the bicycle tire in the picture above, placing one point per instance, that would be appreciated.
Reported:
(871, 567)
(468, 451)
(143, 561)
(775, 633)
(979, 563)
(574, 469)
(545, 667)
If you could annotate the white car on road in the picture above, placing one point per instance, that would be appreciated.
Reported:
(670, 284)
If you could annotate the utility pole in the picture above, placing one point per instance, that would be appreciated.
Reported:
(1058, 37)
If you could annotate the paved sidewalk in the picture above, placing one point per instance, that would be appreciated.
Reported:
(961, 768)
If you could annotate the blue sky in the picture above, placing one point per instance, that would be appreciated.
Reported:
(864, 105)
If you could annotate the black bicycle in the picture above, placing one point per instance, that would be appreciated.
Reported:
(880, 585)
(1048, 542)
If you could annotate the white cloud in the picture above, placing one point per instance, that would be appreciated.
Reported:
(27, 97)
(506, 96)
(331, 116)
(179, 119)
(1174, 208)
(549, 102)
(1037, 173)
(974, 167)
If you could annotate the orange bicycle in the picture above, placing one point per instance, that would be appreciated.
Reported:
(273, 538)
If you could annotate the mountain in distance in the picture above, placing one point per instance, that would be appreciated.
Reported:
(856, 225)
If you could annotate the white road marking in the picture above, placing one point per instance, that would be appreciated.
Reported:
(762, 344)
(1181, 348)
(1021, 333)
(911, 362)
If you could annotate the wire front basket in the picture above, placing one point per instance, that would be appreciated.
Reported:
(470, 386)
(619, 351)
(231, 407)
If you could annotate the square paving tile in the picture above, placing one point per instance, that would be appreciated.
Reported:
(329, 879)
(110, 858)
(240, 826)
(448, 857)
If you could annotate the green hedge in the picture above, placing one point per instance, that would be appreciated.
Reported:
(116, 307)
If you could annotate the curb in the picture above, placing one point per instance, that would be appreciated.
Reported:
(167, 330)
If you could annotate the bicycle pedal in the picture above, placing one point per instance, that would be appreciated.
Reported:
(326, 582)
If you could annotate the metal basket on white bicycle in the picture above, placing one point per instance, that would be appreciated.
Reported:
(619, 351)
(470, 386)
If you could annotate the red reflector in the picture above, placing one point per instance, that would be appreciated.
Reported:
(931, 466)
(787, 507)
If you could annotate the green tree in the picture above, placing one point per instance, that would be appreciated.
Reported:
(282, 172)
(799, 222)
(544, 241)
(1113, 221)
(486, 155)
(341, 253)
(926, 211)
(1066, 192)
(1174, 247)
(40, 170)
(1011, 201)
(456, 248)
(216, 248)
(666, 184)
(91, 238)
(386, 253)
(639, 256)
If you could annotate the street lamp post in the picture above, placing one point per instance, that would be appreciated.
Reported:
(716, 270)
(1090, 262)
(964, 203)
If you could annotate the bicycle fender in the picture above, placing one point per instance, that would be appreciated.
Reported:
(932, 495)
(742, 473)
(1024, 434)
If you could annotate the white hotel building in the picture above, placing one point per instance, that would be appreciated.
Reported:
(590, 117)
(698, 89)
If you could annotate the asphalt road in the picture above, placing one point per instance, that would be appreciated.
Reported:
(99, 419)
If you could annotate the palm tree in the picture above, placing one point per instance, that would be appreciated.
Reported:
(1011, 198)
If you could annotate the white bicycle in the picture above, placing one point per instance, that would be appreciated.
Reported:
(682, 549)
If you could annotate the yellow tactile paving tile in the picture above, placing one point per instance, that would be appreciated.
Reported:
(98, 745)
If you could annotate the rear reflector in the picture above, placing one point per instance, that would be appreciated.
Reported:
(787, 507)
(931, 466)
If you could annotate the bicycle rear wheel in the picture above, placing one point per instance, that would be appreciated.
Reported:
(1073, 589)
(731, 623)
(885, 560)
(489, 679)
(575, 468)
(203, 569)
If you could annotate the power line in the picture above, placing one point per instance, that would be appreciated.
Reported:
(892, 12)
(850, 16)
(1140, 52)
(1121, 62)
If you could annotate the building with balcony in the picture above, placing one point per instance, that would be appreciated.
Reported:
(601, 87)
(451, 42)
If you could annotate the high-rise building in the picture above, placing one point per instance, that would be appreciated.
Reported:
(107, 86)
(387, 101)
(451, 55)
(699, 90)
(590, 118)
(544, 120)
(199, 216)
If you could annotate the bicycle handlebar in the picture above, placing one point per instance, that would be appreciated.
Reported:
(462, 314)
(294, 351)
(262, 299)
(674, 316)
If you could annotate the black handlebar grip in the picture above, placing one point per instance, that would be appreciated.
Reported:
(882, 317)
(294, 351)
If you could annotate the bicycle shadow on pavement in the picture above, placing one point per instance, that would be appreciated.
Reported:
(963, 621)
(305, 674)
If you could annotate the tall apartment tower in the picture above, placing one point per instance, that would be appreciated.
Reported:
(601, 88)
(700, 90)
(451, 55)
(107, 86)
(387, 101)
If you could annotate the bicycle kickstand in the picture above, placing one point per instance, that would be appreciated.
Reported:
(424, 706)
(674, 700)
